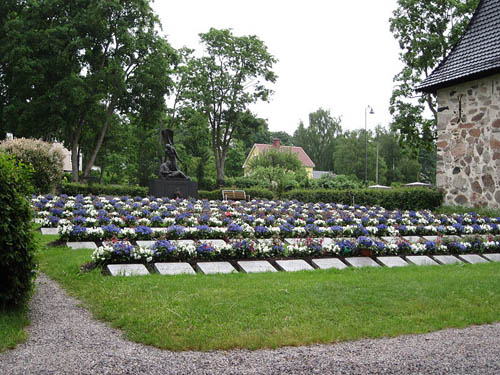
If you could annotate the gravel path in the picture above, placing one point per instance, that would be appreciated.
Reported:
(64, 339)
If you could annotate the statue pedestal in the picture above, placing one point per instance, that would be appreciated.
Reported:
(173, 188)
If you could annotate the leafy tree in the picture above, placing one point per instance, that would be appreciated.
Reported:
(230, 76)
(276, 159)
(285, 138)
(348, 160)
(81, 67)
(426, 31)
(318, 139)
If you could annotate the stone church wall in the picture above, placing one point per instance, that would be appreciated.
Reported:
(468, 148)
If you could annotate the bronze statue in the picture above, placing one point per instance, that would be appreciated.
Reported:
(168, 168)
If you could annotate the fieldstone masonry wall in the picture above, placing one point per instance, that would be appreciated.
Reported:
(468, 148)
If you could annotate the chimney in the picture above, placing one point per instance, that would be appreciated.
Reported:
(276, 143)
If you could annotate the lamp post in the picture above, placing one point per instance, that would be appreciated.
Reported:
(366, 140)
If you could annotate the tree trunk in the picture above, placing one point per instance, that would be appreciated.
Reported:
(100, 139)
(75, 151)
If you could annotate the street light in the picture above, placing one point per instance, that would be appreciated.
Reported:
(366, 140)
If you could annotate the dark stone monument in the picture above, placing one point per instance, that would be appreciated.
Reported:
(172, 182)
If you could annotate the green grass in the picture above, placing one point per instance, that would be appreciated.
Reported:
(448, 210)
(12, 323)
(276, 309)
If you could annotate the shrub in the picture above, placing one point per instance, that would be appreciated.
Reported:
(72, 188)
(17, 245)
(403, 199)
(45, 158)
(254, 193)
(338, 182)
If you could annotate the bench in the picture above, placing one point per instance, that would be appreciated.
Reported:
(234, 195)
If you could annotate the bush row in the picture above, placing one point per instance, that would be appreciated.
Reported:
(72, 188)
(402, 199)
(17, 244)
(253, 193)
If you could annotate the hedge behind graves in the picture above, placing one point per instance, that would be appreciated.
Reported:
(402, 199)
(17, 244)
(72, 188)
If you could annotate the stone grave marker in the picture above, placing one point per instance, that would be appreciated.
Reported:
(327, 263)
(254, 266)
(181, 242)
(214, 243)
(127, 269)
(293, 241)
(492, 257)
(82, 245)
(294, 265)
(209, 268)
(390, 239)
(421, 260)
(447, 259)
(412, 239)
(174, 268)
(145, 243)
(472, 258)
(431, 238)
(359, 262)
(392, 261)
(49, 231)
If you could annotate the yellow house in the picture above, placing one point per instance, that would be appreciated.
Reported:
(259, 148)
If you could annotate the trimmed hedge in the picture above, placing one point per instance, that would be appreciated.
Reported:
(254, 193)
(402, 199)
(72, 188)
(17, 243)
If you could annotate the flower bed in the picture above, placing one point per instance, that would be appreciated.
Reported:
(100, 218)
(171, 251)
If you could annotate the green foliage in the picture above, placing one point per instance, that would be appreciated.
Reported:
(403, 199)
(426, 31)
(45, 158)
(253, 193)
(318, 139)
(72, 188)
(246, 182)
(17, 244)
(273, 158)
(338, 182)
(80, 74)
(230, 76)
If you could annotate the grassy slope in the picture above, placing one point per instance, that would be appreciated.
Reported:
(12, 323)
(275, 309)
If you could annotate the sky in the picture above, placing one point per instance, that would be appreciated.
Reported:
(337, 55)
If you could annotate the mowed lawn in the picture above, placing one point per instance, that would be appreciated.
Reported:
(276, 309)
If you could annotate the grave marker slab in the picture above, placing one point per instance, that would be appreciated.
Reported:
(294, 265)
(82, 245)
(327, 263)
(214, 243)
(127, 269)
(492, 257)
(145, 243)
(421, 260)
(209, 268)
(393, 261)
(255, 266)
(293, 241)
(473, 258)
(174, 268)
(447, 259)
(359, 262)
(181, 242)
(431, 238)
(49, 231)
(390, 239)
(412, 239)
(452, 238)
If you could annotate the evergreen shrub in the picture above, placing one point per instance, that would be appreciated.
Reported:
(254, 193)
(73, 188)
(402, 199)
(45, 158)
(17, 244)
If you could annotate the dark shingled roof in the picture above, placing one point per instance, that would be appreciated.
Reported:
(477, 53)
